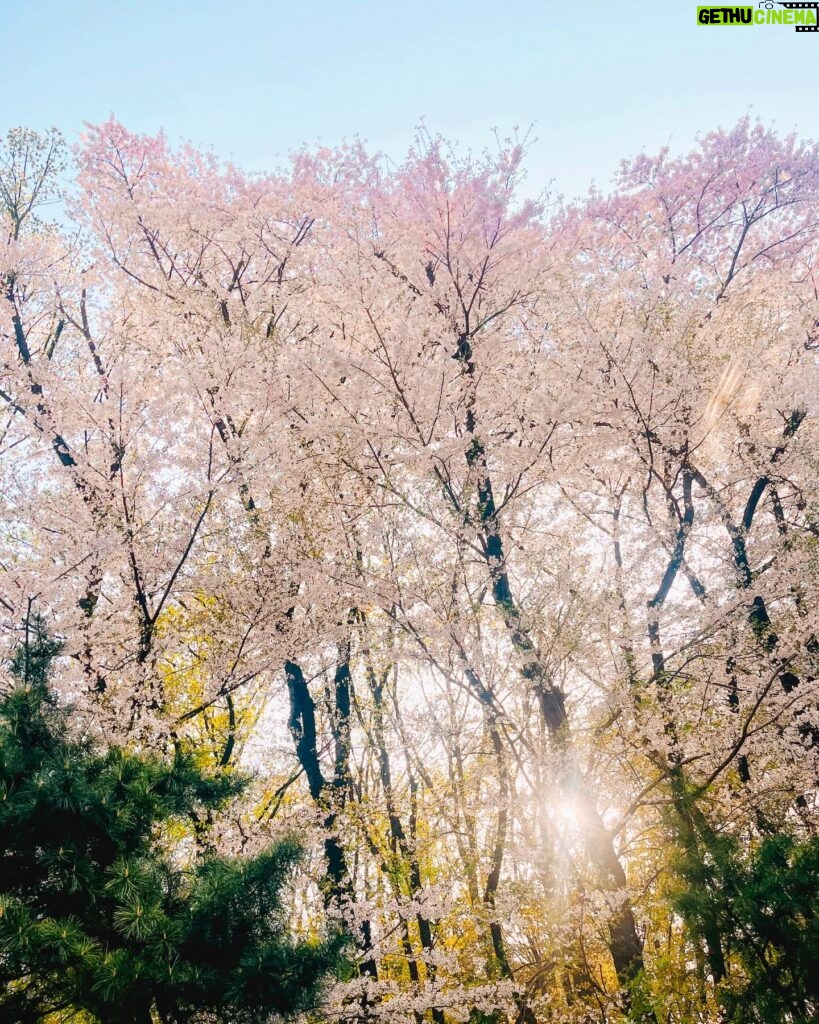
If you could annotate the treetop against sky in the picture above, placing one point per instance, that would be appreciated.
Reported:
(597, 80)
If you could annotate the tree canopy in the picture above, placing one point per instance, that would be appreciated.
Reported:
(482, 529)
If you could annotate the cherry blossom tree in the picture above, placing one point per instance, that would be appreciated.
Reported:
(483, 529)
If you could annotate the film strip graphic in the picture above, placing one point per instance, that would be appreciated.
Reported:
(804, 7)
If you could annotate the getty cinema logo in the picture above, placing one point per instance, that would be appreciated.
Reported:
(803, 16)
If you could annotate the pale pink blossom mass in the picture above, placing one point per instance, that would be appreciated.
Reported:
(484, 531)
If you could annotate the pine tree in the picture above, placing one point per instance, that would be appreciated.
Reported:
(762, 902)
(97, 916)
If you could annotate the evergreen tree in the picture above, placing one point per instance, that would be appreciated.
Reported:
(762, 902)
(96, 915)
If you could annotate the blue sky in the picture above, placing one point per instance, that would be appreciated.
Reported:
(253, 79)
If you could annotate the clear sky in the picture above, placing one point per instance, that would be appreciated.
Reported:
(253, 79)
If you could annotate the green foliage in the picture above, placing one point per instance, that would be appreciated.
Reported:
(96, 916)
(763, 903)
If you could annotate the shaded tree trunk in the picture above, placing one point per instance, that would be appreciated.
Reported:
(625, 943)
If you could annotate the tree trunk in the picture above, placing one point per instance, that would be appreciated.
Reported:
(624, 943)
